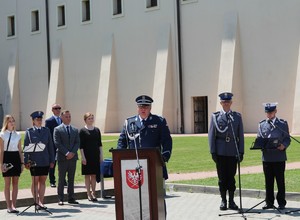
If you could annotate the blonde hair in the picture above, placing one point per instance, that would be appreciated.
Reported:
(86, 115)
(5, 122)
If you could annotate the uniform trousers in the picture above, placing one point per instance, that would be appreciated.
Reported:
(272, 171)
(226, 169)
(66, 167)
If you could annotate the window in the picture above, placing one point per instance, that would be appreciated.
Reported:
(117, 7)
(35, 21)
(61, 16)
(85, 10)
(188, 1)
(151, 3)
(11, 31)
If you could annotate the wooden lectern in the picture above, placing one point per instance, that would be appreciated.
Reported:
(126, 185)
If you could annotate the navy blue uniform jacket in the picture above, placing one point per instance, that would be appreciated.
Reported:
(154, 133)
(280, 132)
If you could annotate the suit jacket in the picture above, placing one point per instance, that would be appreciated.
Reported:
(65, 144)
(51, 123)
(222, 132)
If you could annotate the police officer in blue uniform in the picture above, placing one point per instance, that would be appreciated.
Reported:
(40, 157)
(152, 129)
(274, 154)
(226, 141)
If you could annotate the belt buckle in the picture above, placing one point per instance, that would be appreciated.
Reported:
(227, 139)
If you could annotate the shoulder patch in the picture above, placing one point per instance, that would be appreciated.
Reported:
(262, 121)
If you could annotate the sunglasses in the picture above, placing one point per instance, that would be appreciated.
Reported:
(57, 108)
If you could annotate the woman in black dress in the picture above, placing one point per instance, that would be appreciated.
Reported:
(10, 153)
(91, 154)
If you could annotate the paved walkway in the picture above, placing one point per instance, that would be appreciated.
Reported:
(180, 206)
(108, 183)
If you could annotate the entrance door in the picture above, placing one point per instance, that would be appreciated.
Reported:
(200, 114)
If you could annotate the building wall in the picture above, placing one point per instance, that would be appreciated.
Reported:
(249, 47)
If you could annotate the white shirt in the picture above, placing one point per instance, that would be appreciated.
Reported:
(14, 140)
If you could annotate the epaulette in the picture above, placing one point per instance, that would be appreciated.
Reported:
(262, 121)
(29, 129)
(282, 121)
(237, 113)
(131, 117)
(161, 118)
(216, 113)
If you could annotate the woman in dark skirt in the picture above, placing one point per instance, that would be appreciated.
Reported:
(38, 156)
(91, 154)
(10, 156)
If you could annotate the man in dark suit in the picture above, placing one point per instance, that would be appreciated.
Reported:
(51, 123)
(66, 139)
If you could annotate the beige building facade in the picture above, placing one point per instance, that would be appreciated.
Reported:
(98, 56)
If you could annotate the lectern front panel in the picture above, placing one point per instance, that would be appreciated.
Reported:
(130, 189)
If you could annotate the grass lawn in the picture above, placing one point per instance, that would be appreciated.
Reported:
(191, 154)
(253, 181)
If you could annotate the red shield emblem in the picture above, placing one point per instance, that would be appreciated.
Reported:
(132, 178)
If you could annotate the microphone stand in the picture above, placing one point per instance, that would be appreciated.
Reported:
(275, 126)
(32, 165)
(240, 210)
(264, 148)
(132, 136)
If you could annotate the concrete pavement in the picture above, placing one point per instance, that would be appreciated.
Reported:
(180, 206)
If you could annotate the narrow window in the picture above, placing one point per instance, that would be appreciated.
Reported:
(11, 26)
(86, 10)
(117, 7)
(151, 3)
(35, 21)
(61, 16)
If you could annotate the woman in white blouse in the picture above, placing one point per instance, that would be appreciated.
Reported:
(11, 161)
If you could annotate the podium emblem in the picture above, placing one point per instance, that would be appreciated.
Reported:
(132, 178)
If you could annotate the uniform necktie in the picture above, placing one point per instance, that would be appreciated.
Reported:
(144, 122)
(39, 130)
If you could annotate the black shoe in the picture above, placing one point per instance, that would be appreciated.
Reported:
(233, 206)
(73, 201)
(60, 203)
(39, 207)
(223, 205)
(281, 207)
(267, 206)
(15, 211)
(52, 185)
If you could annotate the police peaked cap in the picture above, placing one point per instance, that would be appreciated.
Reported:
(144, 100)
(270, 107)
(226, 96)
(37, 114)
